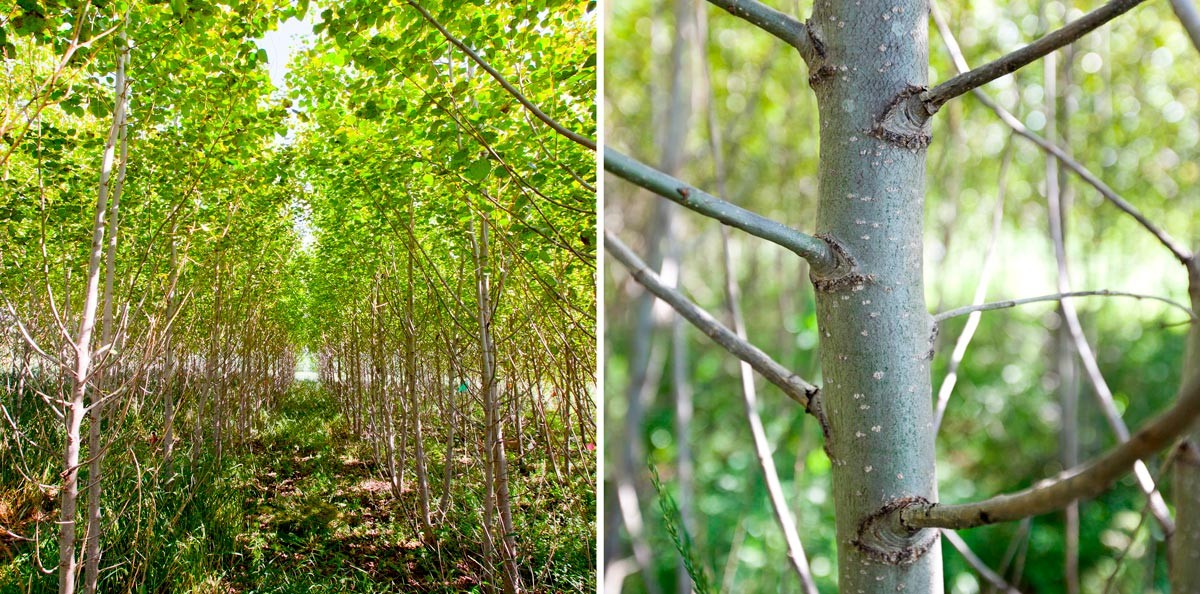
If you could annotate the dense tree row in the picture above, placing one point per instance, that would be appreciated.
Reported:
(158, 287)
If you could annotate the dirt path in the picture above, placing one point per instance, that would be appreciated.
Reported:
(318, 520)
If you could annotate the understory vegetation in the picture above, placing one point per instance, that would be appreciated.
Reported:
(303, 509)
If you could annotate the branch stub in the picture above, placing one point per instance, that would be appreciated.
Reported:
(883, 536)
(905, 121)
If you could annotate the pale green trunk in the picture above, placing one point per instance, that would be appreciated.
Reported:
(875, 329)
(1185, 543)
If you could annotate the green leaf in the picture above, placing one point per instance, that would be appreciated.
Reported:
(479, 170)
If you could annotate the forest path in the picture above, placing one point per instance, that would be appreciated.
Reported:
(318, 519)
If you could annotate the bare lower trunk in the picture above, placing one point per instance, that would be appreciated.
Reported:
(876, 331)
(70, 490)
(169, 380)
(69, 497)
(451, 415)
(1185, 543)
(496, 464)
(410, 349)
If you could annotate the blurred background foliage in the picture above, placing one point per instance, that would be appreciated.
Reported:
(1126, 101)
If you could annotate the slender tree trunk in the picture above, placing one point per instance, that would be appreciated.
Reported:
(539, 409)
(169, 380)
(495, 460)
(82, 344)
(452, 420)
(92, 546)
(410, 350)
(876, 331)
(1185, 543)
(76, 410)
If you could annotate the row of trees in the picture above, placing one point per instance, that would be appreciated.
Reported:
(452, 280)
(142, 208)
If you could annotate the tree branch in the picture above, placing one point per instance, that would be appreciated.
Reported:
(1181, 253)
(977, 564)
(1057, 297)
(1101, 390)
(793, 385)
(934, 98)
(1185, 10)
(1079, 482)
(781, 25)
(539, 114)
(762, 448)
(816, 251)
(985, 278)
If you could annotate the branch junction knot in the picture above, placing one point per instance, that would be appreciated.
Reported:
(884, 537)
(843, 275)
(905, 121)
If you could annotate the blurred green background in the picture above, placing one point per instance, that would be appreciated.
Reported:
(1125, 102)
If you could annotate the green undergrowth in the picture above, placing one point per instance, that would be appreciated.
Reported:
(320, 518)
(302, 507)
(317, 518)
(181, 521)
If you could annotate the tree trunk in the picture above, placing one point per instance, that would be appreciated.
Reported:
(169, 379)
(108, 341)
(496, 465)
(83, 349)
(410, 351)
(451, 416)
(875, 327)
(1185, 543)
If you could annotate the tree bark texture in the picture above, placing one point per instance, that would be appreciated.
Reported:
(871, 55)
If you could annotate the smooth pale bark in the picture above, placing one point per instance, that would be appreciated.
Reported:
(69, 496)
(495, 461)
(1185, 543)
(875, 329)
(107, 341)
(410, 349)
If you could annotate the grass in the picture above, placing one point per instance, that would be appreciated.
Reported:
(302, 508)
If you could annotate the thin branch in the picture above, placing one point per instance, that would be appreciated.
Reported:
(816, 251)
(762, 447)
(5, 532)
(934, 98)
(1189, 17)
(793, 385)
(1118, 562)
(1100, 387)
(966, 309)
(538, 113)
(985, 278)
(976, 563)
(1014, 555)
(781, 25)
(1181, 253)
(29, 340)
(1082, 481)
